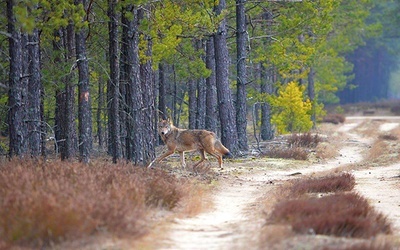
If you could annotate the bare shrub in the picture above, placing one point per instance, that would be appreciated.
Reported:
(366, 246)
(332, 183)
(296, 153)
(48, 202)
(334, 118)
(388, 137)
(304, 140)
(343, 215)
(395, 109)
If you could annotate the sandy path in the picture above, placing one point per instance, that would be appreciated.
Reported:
(232, 222)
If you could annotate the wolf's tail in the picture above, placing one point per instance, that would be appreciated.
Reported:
(222, 149)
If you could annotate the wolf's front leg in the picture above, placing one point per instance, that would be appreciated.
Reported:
(162, 157)
(183, 163)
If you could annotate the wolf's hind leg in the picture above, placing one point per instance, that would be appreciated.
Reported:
(203, 157)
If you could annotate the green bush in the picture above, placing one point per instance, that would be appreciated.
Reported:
(291, 113)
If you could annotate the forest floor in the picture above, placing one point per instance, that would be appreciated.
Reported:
(247, 188)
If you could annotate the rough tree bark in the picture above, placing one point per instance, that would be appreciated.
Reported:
(34, 95)
(16, 114)
(134, 98)
(84, 99)
(241, 96)
(113, 94)
(211, 90)
(225, 104)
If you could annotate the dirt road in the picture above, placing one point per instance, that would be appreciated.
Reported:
(236, 217)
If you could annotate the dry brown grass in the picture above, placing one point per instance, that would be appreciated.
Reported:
(43, 203)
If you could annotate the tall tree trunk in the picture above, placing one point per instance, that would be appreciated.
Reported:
(99, 114)
(311, 93)
(34, 95)
(225, 104)
(266, 87)
(241, 96)
(84, 101)
(113, 93)
(162, 93)
(16, 115)
(123, 87)
(70, 135)
(201, 104)
(192, 103)
(65, 134)
(211, 89)
(201, 94)
(149, 112)
(135, 142)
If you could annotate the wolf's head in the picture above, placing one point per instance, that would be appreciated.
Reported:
(164, 127)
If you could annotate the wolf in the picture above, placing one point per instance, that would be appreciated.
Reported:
(186, 140)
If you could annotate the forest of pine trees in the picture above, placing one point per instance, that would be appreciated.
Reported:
(84, 76)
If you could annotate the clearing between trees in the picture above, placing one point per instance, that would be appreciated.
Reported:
(247, 189)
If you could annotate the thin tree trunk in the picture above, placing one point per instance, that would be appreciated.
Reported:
(100, 104)
(211, 89)
(84, 101)
(201, 95)
(34, 95)
(149, 112)
(113, 93)
(311, 94)
(192, 103)
(267, 132)
(70, 135)
(241, 95)
(226, 109)
(162, 93)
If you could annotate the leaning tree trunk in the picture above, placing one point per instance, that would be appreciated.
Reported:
(16, 113)
(211, 91)
(241, 48)
(84, 102)
(225, 104)
(113, 93)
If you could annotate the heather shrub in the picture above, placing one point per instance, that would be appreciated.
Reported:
(343, 215)
(47, 202)
(304, 140)
(296, 153)
(332, 183)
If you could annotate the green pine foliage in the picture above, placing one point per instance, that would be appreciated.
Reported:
(291, 113)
